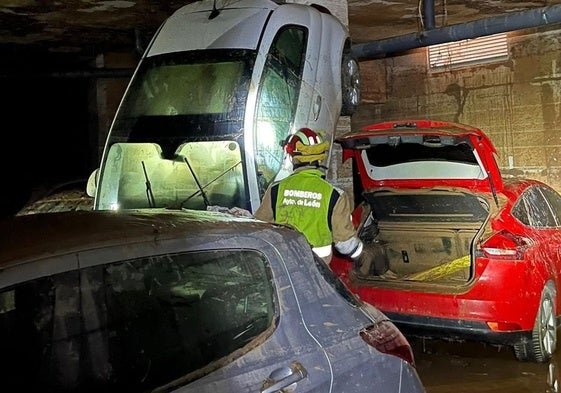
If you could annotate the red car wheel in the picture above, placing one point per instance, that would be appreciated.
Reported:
(544, 335)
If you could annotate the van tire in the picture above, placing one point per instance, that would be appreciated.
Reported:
(350, 85)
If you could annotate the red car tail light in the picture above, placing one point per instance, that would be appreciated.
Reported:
(386, 338)
(504, 245)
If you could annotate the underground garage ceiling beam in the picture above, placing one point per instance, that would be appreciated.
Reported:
(501, 24)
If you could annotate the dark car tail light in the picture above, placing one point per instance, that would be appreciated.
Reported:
(386, 338)
(505, 245)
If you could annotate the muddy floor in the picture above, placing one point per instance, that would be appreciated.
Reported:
(446, 367)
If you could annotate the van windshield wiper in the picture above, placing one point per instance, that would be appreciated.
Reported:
(149, 193)
(201, 190)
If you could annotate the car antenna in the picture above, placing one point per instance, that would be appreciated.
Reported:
(201, 189)
(214, 13)
(149, 193)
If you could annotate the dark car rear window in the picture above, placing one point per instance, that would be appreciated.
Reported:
(133, 325)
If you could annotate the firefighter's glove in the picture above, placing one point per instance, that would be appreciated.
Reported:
(372, 261)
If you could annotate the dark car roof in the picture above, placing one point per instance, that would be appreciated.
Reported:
(41, 235)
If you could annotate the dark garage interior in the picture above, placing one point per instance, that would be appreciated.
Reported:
(47, 135)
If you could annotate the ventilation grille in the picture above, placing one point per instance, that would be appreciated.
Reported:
(468, 52)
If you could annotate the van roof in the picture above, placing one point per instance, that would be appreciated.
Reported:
(237, 25)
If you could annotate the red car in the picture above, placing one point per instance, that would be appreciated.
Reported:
(460, 252)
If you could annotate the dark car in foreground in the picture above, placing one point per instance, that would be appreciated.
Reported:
(179, 300)
(462, 253)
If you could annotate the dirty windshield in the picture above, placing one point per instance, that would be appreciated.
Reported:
(177, 137)
(144, 322)
(199, 174)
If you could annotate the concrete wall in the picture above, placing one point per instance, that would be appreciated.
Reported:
(517, 102)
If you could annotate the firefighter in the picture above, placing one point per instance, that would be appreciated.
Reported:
(307, 202)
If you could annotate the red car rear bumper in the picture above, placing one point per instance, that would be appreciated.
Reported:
(495, 310)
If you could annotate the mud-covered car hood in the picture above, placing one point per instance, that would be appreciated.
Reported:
(422, 154)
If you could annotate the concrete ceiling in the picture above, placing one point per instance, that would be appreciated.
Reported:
(378, 19)
(80, 29)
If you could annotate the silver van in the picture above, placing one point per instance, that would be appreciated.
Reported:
(220, 86)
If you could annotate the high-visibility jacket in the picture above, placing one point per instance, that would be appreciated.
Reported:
(305, 201)
(310, 204)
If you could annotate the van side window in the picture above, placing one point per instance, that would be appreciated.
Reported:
(277, 99)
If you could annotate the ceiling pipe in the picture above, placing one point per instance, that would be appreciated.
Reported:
(509, 22)
(428, 14)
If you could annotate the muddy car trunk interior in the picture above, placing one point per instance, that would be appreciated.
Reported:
(422, 235)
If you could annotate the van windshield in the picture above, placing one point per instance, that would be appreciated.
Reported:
(177, 138)
(188, 96)
(176, 84)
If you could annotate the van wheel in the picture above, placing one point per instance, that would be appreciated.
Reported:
(544, 335)
(350, 85)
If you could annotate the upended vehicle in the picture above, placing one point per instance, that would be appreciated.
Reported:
(461, 253)
(219, 87)
(184, 301)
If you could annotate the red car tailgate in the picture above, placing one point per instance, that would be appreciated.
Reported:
(423, 153)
